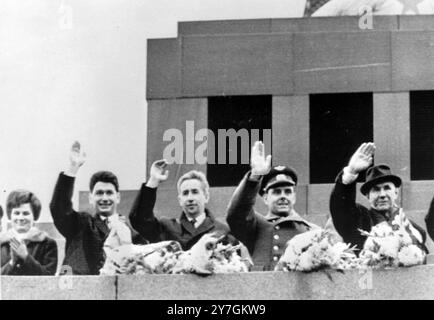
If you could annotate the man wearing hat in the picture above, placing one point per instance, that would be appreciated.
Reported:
(266, 236)
(381, 189)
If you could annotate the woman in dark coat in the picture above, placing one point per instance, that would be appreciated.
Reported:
(26, 250)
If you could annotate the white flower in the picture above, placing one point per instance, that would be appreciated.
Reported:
(306, 262)
(370, 244)
(382, 229)
(404, 237)
(389, 246)
(411, 255)
(303, 240)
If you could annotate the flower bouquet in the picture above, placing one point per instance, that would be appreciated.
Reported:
(392, 245)
(156, 258)
(209, 255)
(314, 250)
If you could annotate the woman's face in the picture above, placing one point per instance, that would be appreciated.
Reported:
(22, 218)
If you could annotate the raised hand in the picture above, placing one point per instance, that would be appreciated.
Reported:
(77, 158)
(362, 158)
(158, 173)
(19, 249)
(260, 164)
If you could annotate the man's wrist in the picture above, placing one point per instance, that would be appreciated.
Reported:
(153, 183)
(348, 177)
(72, 171)
(254, 177)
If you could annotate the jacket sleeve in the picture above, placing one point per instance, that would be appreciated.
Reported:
(65, 218)
(46, 266)
(422, 233)
(345, 211)
(429, 220)
(142, 216)
(241, 217)
(7, 269)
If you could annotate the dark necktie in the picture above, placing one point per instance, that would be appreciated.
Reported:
(106, 222)
(193, 222)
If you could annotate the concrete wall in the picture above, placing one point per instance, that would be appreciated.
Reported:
(403, 283)
(292, 56)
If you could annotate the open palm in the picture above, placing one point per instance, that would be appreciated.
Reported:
(362, 158)
(260, 164)
(77, 157)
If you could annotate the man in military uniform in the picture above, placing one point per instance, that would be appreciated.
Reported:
(266, 236)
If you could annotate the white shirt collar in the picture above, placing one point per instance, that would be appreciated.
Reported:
(199, 219)
(113, 217)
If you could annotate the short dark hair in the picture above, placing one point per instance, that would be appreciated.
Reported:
(103, 176)
(19, 197)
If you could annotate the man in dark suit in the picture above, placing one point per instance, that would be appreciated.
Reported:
(266, 235)
(86, 233)
(382, 191)
(195, 219)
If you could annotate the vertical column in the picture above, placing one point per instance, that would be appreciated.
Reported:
(173, 114)
(291, 134)
(392, 131)
(290, 128)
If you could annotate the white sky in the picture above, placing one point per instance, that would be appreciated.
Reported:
(76, 69)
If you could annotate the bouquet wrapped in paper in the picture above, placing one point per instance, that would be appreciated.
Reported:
(209, 255)
(393, 245)
(316, 249)
(155, 258)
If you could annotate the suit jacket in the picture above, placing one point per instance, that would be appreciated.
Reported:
(142, 219)
(85, 234)
(41, 259)
(264, 236)
(349, 216)
(429, 220)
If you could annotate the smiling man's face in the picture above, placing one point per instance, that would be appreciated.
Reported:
(104, 198)
(280, 200)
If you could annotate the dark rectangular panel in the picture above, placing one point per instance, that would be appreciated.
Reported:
(422, 135)
(412, 60)
(163, 68)
(339, 123)
(240, 113)
(236, 65)
(224, 27)
(341, 62)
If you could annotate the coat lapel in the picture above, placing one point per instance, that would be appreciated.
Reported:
(206, 225)
(187, 224)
